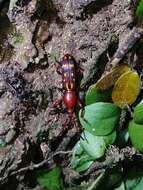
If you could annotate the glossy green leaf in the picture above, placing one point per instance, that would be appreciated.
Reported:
(93, 95)
(99, 118)
(50, 180)
(111, 179)
(122, 137)
(126, 89)
(136, 135)
(80, 160)
(134, 178)
(135, 183)
(78, 150)
(138, 114)
(110, 139)
(139, 12)
(94, 146)
(84, 166)
(78, 155)
(121, 187)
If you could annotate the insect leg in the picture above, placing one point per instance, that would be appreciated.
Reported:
(79, 104)
(57, 103)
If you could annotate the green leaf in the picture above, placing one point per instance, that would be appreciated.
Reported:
(135, 183)
(84, 166)
(121, 186)
(138, 114)
(123, 137)
(94, 146)
(139, 11)
(50, 180)
(80, 160)
(78, 150)
(82, 156)
(93, 95)
(99, 118)
(110, 139)
(111, 178)
(136, 135)
(134, 178)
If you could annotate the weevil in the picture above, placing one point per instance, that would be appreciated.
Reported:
(69, 69)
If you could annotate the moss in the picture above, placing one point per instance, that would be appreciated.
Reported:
(16, 39)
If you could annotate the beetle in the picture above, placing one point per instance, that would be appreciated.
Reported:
(69, 69)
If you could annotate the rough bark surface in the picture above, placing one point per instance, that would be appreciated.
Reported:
(33, 35)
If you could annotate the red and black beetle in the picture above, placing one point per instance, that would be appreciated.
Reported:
(69, 70)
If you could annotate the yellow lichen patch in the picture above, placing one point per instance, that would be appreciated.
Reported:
(108, 80)
(126, 89)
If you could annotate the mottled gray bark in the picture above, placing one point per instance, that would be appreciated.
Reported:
(37, 34)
